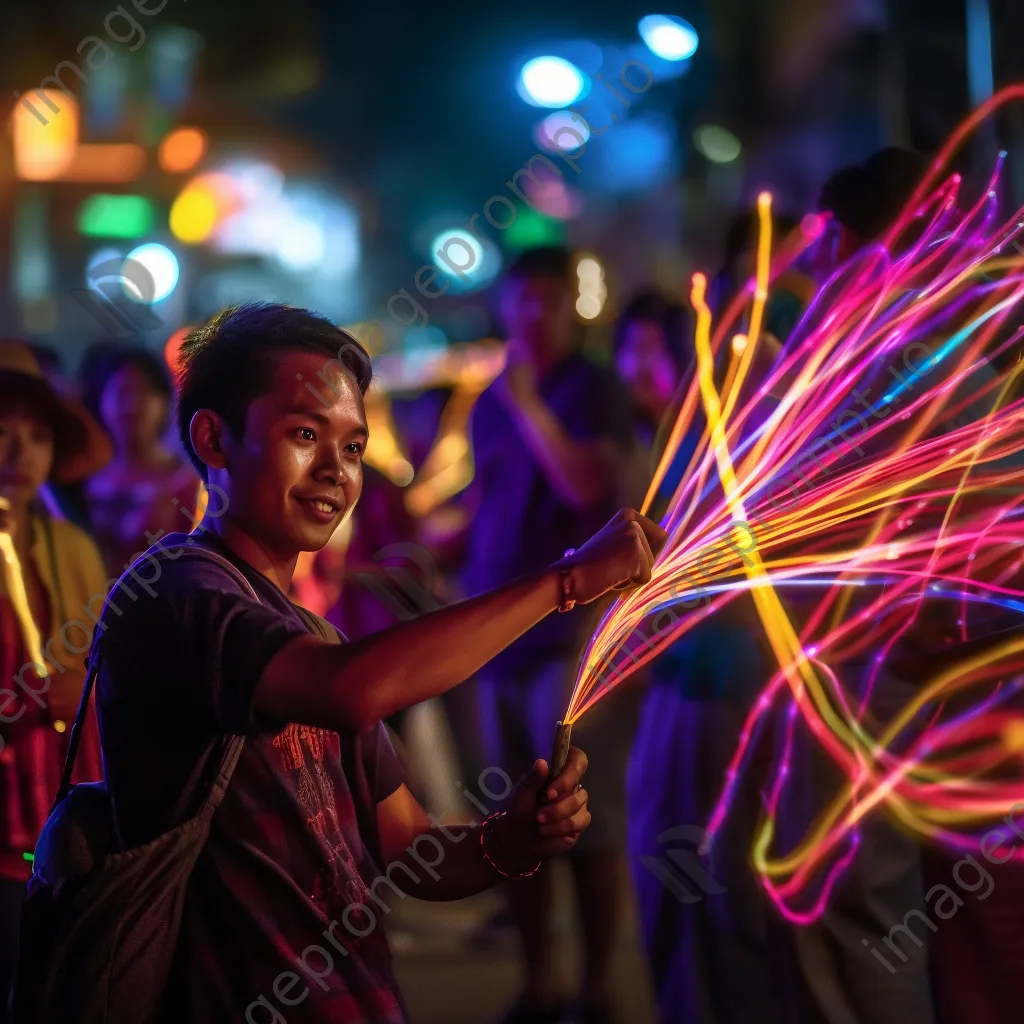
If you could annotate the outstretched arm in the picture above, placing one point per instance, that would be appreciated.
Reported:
(349, 687)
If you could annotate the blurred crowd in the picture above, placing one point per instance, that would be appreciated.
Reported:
(91, 474)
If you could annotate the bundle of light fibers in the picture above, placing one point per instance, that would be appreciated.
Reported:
(866, 491)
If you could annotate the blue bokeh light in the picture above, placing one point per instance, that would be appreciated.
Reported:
(150, 273)
(561, 132)
(668, 37)
(551, 82)
(467, 262)
(640, 154)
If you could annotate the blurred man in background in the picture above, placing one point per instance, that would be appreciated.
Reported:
(550, 439)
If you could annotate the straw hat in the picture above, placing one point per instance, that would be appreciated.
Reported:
(81, 446)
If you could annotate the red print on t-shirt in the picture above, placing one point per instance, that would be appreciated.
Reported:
(302, 750)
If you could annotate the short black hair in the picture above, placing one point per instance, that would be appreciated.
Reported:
(551, 261)
(673, 319)
(229, 362)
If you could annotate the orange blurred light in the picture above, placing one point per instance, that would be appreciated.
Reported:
(182, 150)
(173, 347)
(113, 162)
(222, 187)
(45, 124)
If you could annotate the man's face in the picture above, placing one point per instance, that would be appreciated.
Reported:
(297, 453)
(538, 312)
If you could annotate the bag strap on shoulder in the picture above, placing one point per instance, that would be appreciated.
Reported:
(233, 748)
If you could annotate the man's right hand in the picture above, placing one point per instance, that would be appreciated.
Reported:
(618, 557)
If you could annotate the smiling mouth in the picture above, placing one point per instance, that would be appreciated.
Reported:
(326, 508)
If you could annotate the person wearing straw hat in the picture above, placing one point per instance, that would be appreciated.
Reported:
(52, 573)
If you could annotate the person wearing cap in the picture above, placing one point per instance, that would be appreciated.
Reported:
(44, 437)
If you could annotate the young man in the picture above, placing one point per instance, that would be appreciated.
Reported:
(551, 438)
(282, 921)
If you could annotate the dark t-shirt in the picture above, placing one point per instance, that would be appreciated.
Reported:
(286, 856)
(522, 525)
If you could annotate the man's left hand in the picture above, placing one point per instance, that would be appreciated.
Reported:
(530, 832)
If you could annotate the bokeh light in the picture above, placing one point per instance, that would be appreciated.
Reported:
(194, 214)
(182, 149)
(150, 273)
(642, 152)
(114, 163)
(560, 132)
(456, 250)
(668, 37)
(173, 347)
(717, 144)
(556, 199)
(551, 82)
(115, 216)
(98, 260)
(301, 244)
(533, 228)
(467, 261)
(255, 180)
(321, 232)
(593, 292)
(45, 128)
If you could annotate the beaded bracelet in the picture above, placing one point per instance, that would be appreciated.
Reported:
(486, 829)
(568, 586)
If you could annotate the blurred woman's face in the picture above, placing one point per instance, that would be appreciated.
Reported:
(133, 410)
(26, 453)
(645, 364)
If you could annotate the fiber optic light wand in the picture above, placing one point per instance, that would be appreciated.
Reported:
(560, 750)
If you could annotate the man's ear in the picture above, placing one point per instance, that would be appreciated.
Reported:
(207, 434)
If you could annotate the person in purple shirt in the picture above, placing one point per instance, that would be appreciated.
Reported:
(283, 916)
(551, 440)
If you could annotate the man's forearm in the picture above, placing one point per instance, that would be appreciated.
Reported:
(577, 472)
(445, 863)
(427, 656)
(457, 867)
